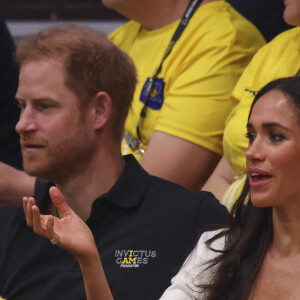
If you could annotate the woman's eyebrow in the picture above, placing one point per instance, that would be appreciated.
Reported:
(269, 125)
(275, 124)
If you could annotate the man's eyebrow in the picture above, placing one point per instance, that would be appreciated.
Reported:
(35, 99)
(269, 125)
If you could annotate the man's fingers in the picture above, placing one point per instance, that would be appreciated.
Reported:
(59, 201)
(50, 228)
(29, 216)
(53, 237)
(41, 224)
(37, 226)
(25, 202)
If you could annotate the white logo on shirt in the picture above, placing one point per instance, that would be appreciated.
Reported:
(133, 258)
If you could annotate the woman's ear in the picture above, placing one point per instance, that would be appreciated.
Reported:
(102, 106)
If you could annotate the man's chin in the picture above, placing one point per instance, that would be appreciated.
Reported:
(49, 174)
(38, 172)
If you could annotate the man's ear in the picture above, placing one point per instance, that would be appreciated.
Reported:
(102, 109)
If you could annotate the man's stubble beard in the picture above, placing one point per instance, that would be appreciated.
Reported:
(62, 162)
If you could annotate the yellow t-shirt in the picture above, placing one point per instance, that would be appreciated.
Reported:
(193, 92)
(279, 58)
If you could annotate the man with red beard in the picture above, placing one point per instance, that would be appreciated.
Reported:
(75, 90)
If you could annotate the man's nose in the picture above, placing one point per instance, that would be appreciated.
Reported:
(26, 122)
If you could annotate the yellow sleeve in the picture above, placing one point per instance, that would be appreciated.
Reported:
(198, 76)
(197, 101)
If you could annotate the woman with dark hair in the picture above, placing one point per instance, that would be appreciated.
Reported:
(258, 255)
(279, 58)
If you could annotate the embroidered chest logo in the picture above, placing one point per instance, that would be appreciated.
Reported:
(133, 258)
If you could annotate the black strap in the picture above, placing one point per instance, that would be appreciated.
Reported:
(190, 10)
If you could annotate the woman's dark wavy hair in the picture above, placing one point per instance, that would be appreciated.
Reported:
(250, 229)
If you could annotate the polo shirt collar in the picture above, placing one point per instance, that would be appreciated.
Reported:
(130, 186)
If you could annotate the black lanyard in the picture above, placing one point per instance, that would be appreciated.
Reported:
(190, 10)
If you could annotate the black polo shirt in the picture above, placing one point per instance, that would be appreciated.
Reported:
(144, 228)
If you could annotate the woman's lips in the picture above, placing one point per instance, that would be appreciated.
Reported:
(258, 178)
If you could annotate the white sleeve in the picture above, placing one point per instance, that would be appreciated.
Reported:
(184, 284)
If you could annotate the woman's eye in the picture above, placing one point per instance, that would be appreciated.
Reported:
(250, 137)
(276, 137)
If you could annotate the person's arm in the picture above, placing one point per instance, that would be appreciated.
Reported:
(220, 180)
(179, 160)
(14, 184)
(72, 234)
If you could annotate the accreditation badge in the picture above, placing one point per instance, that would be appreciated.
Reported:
(156, 96)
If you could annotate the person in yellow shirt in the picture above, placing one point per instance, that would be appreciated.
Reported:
(181, 134)
(279, 58)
